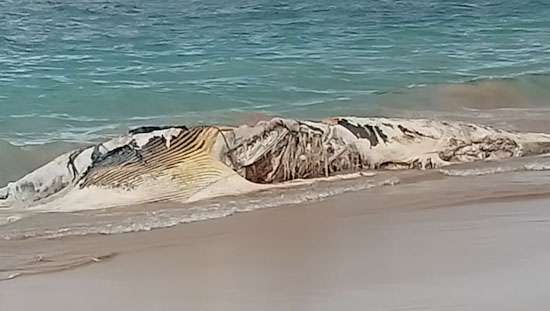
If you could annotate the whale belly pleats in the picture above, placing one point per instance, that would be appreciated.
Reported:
(186, 163)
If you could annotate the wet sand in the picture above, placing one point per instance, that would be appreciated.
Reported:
(393, 248)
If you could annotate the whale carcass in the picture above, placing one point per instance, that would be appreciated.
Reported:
(178, 163)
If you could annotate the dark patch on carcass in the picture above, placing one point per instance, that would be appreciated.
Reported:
(365, 131)
(372, 134)
(259, 171)
(418, 164)
(485, 148)
(415, 164)
(381, 134)
(5, 195)
(412, 133)
(149, 129)
(392, 165)
(319, 130)
(119, 156)
(70, 163)
(388, 125)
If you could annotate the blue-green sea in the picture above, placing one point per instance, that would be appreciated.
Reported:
(77, 70)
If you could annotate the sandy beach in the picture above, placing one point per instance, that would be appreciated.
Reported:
(411, 247)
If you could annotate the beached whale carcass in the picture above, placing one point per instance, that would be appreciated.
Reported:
(282, 149)
(152, 163)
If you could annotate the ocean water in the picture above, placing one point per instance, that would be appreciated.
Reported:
(77, 70)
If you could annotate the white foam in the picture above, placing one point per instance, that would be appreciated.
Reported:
(478, 171)
(495, 170)
(223, 207)
(4, 220)
(537, 167)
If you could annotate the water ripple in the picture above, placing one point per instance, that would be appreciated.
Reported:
(123, 59)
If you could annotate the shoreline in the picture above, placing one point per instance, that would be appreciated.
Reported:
(383, 248)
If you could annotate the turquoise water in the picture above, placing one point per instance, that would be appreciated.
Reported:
(74, 70)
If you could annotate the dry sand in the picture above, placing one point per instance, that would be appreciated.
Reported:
(369, 250)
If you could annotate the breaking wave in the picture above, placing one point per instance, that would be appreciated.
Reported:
(168, 215)
(502, 167)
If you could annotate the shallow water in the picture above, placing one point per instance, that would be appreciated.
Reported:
(77, 70)
(47, 242)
